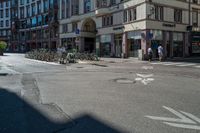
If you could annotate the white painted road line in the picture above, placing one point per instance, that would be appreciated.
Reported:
(5, 69)
(147, 67)
(185, 65)
(50, 63)
(185, 120)
(172, 63)
(183, 126)
(191, 116)
(157, 63)
(197, 66)
(181, 119)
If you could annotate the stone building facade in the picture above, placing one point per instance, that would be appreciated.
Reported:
(121, 28)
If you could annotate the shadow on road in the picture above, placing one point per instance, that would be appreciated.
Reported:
(18, 116)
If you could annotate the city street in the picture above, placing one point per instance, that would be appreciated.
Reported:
(110, 96)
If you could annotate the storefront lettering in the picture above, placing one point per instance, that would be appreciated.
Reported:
(169, 25)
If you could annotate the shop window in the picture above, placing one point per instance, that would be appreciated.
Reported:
(195, 18)
(130, 15)
(178, 15)
(158, 12)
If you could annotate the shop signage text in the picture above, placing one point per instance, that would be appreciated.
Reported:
(169, 25)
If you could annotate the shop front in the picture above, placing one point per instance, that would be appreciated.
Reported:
(105, 45)
(118, 45)
(68, 43)
(195, 41)
(134, 43)
(178, 44)
(156, 40)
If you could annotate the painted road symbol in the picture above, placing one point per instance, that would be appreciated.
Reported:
(145, 78)
(147, 67)
(184, 120)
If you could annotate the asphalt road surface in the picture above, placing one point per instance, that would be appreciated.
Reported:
(111, 96)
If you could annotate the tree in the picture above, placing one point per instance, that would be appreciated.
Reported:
(3, 46)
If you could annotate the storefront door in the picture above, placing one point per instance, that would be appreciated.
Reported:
(89, 45)
(178, 44)
(134, 46)
(118, 45)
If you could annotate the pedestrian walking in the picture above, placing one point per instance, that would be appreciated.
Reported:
(150, 54)
(160, 52)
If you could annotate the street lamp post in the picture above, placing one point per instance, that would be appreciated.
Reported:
(189, 28)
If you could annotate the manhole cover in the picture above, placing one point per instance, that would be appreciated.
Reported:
(124, 81)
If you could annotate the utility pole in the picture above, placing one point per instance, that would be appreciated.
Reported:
(189, 4)
(190, 28)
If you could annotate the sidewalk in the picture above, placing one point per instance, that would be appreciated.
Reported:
(120, 60)
(186, 59)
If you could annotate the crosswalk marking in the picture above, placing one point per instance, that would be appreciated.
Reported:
(197, 66)
(184, 65)
(171, 64)
(157, 63)
(177, 64)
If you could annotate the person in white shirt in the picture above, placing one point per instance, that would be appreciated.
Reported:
(150, 54)
(160, 52)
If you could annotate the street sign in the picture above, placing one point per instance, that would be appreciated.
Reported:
(184, 120)
(77, 32)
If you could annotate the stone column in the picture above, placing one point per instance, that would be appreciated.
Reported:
(97, 46)
(81, 44)
(171, 44)
(187, 44)
(112, 45)
(124, 45)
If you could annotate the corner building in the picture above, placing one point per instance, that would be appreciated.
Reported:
(34, 24)
(5, 21)
(119, 28)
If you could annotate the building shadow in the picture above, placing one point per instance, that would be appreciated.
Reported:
(18, 116)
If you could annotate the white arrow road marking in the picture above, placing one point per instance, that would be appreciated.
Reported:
(185, 120)
(191, 116)
(145, 75)
(182, 119)
(145, 79)
(183, 126)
